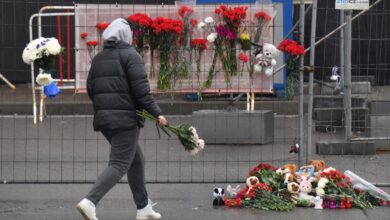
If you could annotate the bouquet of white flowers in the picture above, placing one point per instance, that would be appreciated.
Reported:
(44, 52)
(186, 133)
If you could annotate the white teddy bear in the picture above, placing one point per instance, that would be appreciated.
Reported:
(265, 61)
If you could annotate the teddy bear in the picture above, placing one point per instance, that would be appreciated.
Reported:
(265, 60)
(251, 182)
(319, 165)
(287, 171)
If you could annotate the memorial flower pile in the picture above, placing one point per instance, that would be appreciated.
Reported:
(267, 188)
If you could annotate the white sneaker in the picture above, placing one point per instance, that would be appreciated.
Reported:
(148, 213)
(87, 209)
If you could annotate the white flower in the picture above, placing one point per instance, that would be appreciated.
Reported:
(195, 135)
(325, 180)
(32, 51)
(321, 184)
(211, 38)
(194, 151)
(53, 47)
(201, 25)
(209, 20)
(201, 144)
(328, 169)
(320, 192)
(44, 79)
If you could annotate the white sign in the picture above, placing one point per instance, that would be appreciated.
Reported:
(352, 4)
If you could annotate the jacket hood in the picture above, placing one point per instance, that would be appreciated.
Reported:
(118, 30)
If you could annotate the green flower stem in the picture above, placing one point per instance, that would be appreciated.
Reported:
(211, 73)
(165, 67)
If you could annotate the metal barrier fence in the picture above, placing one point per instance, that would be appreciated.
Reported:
(65, 149)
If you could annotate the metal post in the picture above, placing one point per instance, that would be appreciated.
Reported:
(33, 88)
(302, 39)
(311, 79)
(347, 89)
(342, 50)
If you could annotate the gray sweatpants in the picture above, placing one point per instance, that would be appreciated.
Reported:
(125, 157)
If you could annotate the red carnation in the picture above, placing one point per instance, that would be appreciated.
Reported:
(102, 26)
(200, 43)
(183, 10)
(92, 43)
(83, 35)
(194, 22)
(243, 57)
(263, 15)
(140, 19)
(293, 48)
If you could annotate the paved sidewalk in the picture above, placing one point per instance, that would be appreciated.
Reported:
(176, 202)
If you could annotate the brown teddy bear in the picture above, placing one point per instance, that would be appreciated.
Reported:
(319, 165)
(288, 171)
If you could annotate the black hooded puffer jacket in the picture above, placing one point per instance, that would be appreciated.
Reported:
(118, 86)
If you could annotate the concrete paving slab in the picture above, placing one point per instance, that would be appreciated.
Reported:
(175, 202)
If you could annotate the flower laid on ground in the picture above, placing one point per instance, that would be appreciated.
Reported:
(83, 35)
(102, 26)
(166, 33)
(265, 189)
(140, 25)
(186, 133)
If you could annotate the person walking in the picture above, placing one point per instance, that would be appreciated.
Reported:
(118, 86)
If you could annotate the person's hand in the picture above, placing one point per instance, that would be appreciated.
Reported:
(162, 121)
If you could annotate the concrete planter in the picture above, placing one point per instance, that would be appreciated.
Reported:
(234, 127)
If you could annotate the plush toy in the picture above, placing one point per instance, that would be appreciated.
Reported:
(218, 194)
(232, 192)
(319, 165)
(265, 60)
(293, 187)
(305, 188)
(287, 171)
(250, 182)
